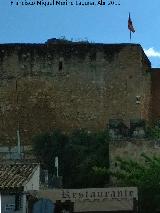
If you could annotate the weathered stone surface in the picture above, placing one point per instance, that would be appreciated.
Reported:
(70, 85)
(132, 149)
(155, 94)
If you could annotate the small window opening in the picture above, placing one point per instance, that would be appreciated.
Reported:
(60, 65)
(138, 99)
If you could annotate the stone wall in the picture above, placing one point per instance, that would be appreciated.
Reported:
(155, 94)
(70, 85)
(132, 149)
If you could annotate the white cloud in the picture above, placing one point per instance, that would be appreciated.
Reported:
(151, 52)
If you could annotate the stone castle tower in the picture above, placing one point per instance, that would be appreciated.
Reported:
(70, 85)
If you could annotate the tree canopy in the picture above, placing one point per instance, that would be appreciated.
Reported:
(79, 154)
(146, 176)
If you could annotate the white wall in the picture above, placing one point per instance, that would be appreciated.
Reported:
(33, 183)
(8, 201)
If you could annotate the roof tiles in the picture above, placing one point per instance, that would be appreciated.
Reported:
(15, 175)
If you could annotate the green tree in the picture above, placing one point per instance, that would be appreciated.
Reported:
(87, 150)
(144, 175)
(154, 132)
(79, 153)
(47, 146)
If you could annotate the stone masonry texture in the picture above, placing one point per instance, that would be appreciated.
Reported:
(69, 85)
(155, 91)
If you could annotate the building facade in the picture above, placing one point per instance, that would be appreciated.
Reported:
(69, 85)
(16, 179)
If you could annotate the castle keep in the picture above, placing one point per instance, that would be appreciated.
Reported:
(70, 85)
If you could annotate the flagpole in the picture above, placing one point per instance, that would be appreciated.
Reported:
(130, 27)
(56, 164)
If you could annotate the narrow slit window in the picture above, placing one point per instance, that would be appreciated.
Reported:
(60, 65)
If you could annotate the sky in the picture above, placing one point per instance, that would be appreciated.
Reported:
(97, 23)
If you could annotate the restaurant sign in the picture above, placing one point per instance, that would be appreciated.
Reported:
(92, 194)
(95, 199)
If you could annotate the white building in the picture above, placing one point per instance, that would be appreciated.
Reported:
(16, 179)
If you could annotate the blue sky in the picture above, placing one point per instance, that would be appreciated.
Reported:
(102, 24)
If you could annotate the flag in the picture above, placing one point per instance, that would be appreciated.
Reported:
(130, 25)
